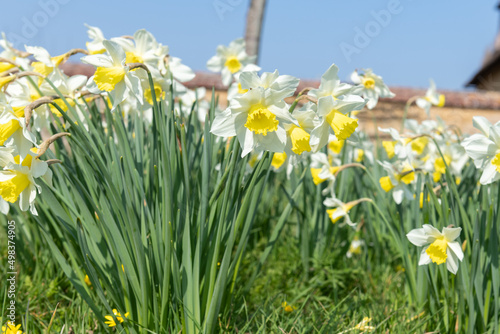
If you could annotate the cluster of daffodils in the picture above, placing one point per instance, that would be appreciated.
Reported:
(34, 91)
(311, 128)
(428, 147)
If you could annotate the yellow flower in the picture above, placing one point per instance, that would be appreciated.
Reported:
(11, 328)
(287, 307)
(111, 320)
(278, 160)
(87, 280)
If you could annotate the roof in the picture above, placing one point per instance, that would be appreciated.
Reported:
(454, 99)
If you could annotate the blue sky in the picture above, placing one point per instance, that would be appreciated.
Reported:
(445, 39)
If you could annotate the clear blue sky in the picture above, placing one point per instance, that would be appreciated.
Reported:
(444, 39)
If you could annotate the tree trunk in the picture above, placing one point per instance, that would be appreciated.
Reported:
(255, 18)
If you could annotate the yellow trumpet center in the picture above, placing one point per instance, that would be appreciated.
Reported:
(336, 146)
(342, 125)
(133, 58)
(496, 162)
(160, 95)
(437, 251)
(8, 129)
(260, 120)
(389, 147)
(369, 83)
(106, 78)
(11, 189)
(278, 160)
(300, 140)
(233, 64)
(386, 183)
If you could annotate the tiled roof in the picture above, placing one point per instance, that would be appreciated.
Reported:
(454, 99)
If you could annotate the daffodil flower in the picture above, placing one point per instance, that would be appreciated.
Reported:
(113, 75)
(397, 181)
(330, 85)
(355, 248)
(439, 247)
(45, 64)
(95, 46)
(257, 118)
(13, 130)
(230, 60)
(332, 115)
(17, 180)
(282, 86)
(339, 210)
(371, 87)
(299, 137)
(484, 149)
(431, 98)
(144, 48)
(322, 171)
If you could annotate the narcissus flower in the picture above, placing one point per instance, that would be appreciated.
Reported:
(397, 180)
(257, 118)
(13, 130)
(484, 149)
(332, 115)
(371, 87)
(95, 46)
(431, 98)
(113, 76)
(111, 320)
(45, 64)
(229, 60)
(330, 85)
(439, 247)
(17, 180)
(340, 210)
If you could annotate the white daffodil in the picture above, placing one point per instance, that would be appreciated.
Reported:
(484, 149)
(431, 98)
(403, 147)
(45, 64)
(143, 48)
(397, 181)
(235, 88)
(330, 85)
(299, 137)
(113, 76)
(371, 87)
(13, 130)
(453, 156)
(230, 60)
(22, 92)
(95, 46)
(356, 247)
(17, 181)
(439, 247)
(340, 210)
(195, 97)
(282, 86)
(68, 86)
(331, 114)
(257, 119)
(322, 170)
(180, 72)
(9, 53)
